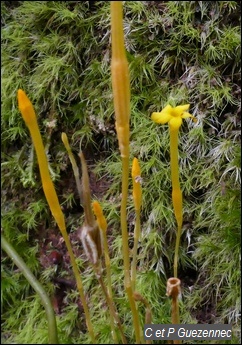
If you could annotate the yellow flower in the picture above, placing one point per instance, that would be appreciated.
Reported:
(172, 116)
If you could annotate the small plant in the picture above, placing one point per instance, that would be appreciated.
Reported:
(30, 119)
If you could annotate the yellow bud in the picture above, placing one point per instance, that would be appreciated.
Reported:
(26, 108)
(101, 220)
(136, 168)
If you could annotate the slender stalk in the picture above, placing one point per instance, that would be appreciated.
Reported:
(173, 290)
(19, 262)
(121, 95)
(137, 196)
(176, 192)
(135, 248)
(73, 163)
(27, 110)
(91, 239)
(114, 315)
(148, 314)
(102, 223)
(127, 280)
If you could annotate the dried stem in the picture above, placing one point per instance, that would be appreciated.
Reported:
(173, 290)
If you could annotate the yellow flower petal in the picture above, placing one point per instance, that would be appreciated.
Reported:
(180, 109)
(175, 123)
(185, 115)
(162, 117)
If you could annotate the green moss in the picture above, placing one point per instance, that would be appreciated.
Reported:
(178, 52)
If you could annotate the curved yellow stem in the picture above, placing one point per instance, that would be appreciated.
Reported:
(27, 110)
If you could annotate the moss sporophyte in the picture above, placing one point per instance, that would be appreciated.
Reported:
(173, 116)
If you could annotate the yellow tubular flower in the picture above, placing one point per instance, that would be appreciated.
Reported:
(137, 190)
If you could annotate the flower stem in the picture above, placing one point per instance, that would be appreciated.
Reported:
(176, 192)
(52, 328)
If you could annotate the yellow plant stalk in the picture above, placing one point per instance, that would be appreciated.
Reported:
(121, 98)
(27, 110)
(137, 196)
(174, 116)
(102, 223)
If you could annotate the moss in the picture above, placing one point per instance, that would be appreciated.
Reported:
(179, 52)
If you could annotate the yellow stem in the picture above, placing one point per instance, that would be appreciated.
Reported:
(29, 116)
(120, 78)
(136, 241)
(121, 99)
(174, 158)
(110, 292)
(113, 313)
(102, 223)
(176, 192)
(137, 197)
(127, 280)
